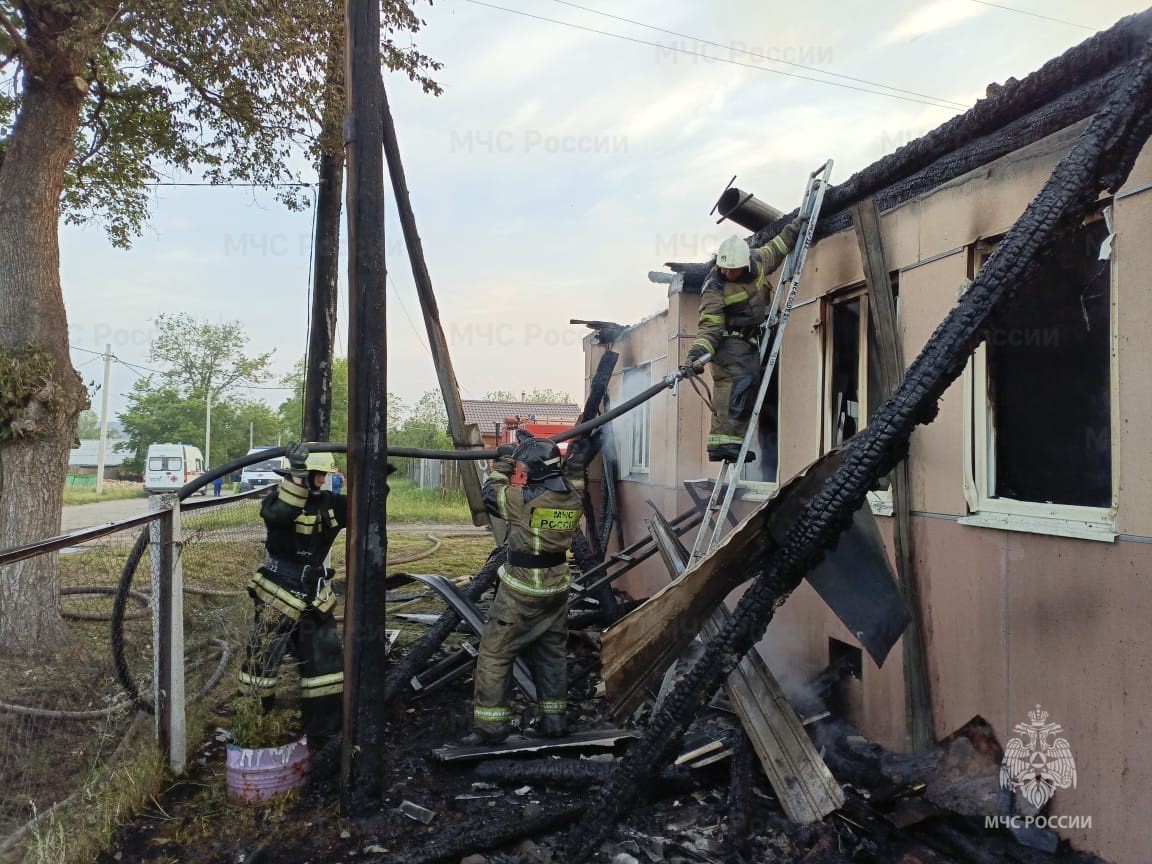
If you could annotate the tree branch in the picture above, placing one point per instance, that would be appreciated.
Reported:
(22, 48)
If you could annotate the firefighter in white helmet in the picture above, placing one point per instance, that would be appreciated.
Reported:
(734, 303)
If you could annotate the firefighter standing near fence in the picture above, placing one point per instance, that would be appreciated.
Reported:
(529, 616)
(734, 303)
(293, 594)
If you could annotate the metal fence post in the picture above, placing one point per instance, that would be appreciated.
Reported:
(168, 630)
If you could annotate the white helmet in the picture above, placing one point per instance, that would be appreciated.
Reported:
(733, 253)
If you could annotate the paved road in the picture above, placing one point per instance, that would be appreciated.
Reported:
(84, 515)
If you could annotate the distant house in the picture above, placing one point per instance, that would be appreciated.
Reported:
(82, 460)
(491, 418)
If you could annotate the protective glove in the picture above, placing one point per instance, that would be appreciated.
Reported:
(800, 223)
(582, 451)
(695, 354)
(297, 455)
(504, 463)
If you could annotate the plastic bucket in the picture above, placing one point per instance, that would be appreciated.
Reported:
(255, 775)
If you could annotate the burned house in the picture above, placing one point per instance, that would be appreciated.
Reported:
(1030, 493)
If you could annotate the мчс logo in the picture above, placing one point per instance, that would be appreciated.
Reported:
(1033, 764)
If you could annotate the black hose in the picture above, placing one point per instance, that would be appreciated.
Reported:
(129, 571)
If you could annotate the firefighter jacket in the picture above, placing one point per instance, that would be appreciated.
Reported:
(301, 529)
(541, 522)
(737, 309)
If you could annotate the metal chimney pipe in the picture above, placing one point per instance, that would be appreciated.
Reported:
(745, 209)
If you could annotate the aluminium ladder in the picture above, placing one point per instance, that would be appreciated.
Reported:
(710, 532)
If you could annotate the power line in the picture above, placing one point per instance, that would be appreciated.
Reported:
(235, 185)
(734, 49)
(933, 104)
(1036, 15)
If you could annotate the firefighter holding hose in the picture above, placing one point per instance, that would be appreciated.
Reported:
(530, 613)
(734, 304)
(293, 595)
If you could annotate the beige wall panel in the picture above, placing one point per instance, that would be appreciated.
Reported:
(800, 390)
(1132, 284)
(988, 200)
(1080, 644)
(961, 577)
(927, 294)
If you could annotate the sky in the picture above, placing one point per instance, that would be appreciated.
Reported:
(561, 165)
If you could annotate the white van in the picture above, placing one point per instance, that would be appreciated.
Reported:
(261, 473)
(170, 466)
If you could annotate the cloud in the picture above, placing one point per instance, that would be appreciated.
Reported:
(933, 18)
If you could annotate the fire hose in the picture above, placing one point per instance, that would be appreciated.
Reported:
(124, 588)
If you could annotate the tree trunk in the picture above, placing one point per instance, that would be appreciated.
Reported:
(33, 467)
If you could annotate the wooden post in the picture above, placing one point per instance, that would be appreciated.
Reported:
(438, 345)
(917, 696)
(168, 630)
(322, 327)
(365, 632)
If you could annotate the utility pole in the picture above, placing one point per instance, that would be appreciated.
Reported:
(102, 450)
(365, 640)
(207, 428)
(251, 433)
(442, 359)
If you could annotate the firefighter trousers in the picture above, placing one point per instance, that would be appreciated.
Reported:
(521, 625)
(315, 642)
(735, 381)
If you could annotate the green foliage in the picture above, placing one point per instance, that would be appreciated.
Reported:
(163, 412)
(407, 427)
(233, 89)
(540, 394)
(253, 728)
(88, 424)
(25, 377)
(203, 357)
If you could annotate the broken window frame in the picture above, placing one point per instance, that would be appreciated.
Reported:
(880, 500)
(637, 427)
(985, 508)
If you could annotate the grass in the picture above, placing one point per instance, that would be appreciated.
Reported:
(409, 503)
(77, 495)
(80, 831)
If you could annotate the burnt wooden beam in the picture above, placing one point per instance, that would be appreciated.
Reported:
(365, 626)
(462, 437)
(917, 695)
(802, 782)
(325, 292)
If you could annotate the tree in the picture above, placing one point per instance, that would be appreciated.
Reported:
(163, 413)
(102, 98)
(540, 394)
(291, 411)
(202, 357)
(88, 425)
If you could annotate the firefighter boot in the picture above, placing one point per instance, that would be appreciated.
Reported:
(728, 453)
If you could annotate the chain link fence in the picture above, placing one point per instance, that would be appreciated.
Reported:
(77, 755)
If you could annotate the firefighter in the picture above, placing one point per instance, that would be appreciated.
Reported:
(734, 303)
(530, 613)
(293, 595)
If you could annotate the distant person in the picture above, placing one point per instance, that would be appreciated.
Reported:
(217, 486)
(337, 482)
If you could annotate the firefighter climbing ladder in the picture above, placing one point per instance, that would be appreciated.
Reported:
(710, 531)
